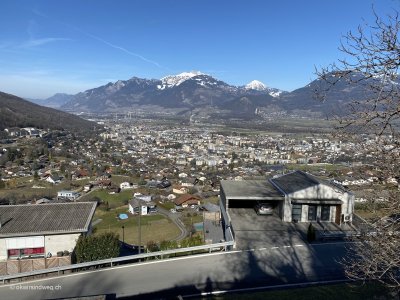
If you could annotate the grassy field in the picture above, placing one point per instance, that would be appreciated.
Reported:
(154, 227)
(167, 205)
(326, 292)
(114, 200)
(189, 218)
(24, 188)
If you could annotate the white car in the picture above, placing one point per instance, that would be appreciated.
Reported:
(264, 209)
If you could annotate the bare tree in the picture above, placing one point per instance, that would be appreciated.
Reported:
(372, 60)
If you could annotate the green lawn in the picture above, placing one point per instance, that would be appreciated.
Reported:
(326, 292)
(118, 179)
(154, 227)
(190, 218)
(166, 205)
(114, 200)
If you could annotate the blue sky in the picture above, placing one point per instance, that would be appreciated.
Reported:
(70, 46)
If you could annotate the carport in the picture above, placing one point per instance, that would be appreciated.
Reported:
(246, 194)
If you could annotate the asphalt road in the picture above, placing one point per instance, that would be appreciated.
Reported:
(193, 275)
(174, 217)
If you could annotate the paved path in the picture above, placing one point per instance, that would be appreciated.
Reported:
(174, 217)
(194, 274)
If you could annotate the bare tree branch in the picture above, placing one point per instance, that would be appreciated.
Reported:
(372, 60)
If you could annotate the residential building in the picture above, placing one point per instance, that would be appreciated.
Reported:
(295, 197)
(186, 200)
(67, 195)
(29, 231)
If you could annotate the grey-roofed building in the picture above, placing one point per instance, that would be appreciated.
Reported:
(309, 198)
(42, 230)
(246, 193)
(297, 196)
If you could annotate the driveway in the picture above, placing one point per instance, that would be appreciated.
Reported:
(254, 231)
(174, 217)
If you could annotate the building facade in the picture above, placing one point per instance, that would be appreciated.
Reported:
(29, 231)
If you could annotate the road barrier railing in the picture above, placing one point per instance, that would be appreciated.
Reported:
(224, 246)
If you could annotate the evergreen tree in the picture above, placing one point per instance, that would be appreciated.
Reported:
(97, 247)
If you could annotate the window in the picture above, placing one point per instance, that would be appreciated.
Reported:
(26, 252)
(296, 212)
(312, 213)
(12, 253)
(325, 212)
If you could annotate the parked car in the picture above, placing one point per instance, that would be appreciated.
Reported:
(264, 209)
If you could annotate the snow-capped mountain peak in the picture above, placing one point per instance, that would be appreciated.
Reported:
(256, 85)
(175, 80)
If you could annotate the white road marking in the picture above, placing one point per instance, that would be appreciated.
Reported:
(333, 243)
(163, 261)
(280, 286)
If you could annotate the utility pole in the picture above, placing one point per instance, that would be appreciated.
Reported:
(140, 229)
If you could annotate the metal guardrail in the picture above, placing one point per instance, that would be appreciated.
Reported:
(111, 261)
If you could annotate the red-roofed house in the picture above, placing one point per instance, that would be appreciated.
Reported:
(186, 200)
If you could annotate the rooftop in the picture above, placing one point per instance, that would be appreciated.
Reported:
(250, 190)
(299, 180)
(57, 218)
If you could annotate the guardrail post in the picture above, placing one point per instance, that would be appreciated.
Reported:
(111, 262)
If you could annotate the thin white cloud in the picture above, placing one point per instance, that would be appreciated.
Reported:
(131, 53)
(123, 49)
(43, 41)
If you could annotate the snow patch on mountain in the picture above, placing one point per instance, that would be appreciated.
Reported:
(175, 80)
(275, 92)
(256, 85)
(116, 86)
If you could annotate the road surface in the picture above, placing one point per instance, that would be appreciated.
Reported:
(193, 274)
(174, 217)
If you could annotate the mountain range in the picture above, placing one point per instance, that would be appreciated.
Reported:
(196, 91)
(55, 101)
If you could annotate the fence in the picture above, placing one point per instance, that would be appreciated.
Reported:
(112, 261)
(15, 266)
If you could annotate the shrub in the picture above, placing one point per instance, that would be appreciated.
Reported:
(166, 245)
(310, 233)
(152, 246)
(103, 246)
